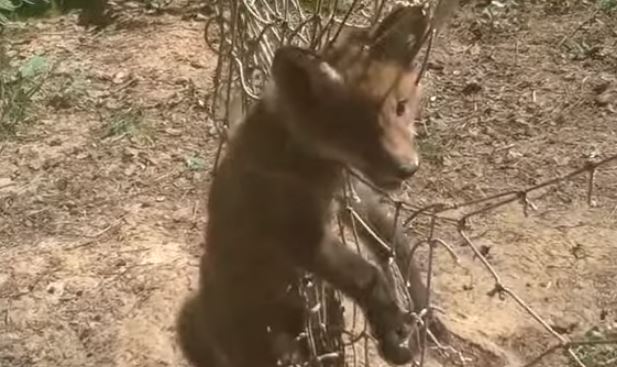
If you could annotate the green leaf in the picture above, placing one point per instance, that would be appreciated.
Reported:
(195, 163)
(35, 2)
(34, 66)
(608, 5)
(3, 19)
(6, 5)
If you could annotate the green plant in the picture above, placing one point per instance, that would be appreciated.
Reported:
(27, 8)
(195, 163)
(70, 91)
(6, 8)
(600, 354)
(18, 87)
(129, 122)
(608, 5)
(125, 123)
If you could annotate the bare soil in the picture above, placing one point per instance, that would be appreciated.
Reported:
(101, 199)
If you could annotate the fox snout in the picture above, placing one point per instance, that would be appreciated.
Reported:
(405, 170)
(391, 175)
(399, 159)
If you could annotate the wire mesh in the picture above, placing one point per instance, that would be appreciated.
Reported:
(244, 35)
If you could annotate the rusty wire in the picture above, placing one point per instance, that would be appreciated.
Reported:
(489, 204)
(244, 35)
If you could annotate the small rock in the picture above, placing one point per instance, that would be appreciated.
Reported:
(546, 285)
(113, 104)
(197, 64)
(120, 77)
(600, 86)
(606, 98)
(128, 154)
(4, 278)
(35, 164)
(472, 88)
(5, 182)
(563, 326)
(603, 315)
(173, 132)
(51, 163)
(213, 131)
(485, 250)
(59, 102)
(132, 4)
(578, 251)
(446, 161)
(596, 334)
(62, 184)
(513, 155)
(55, 290)
(434, 66)
(130, 170)
(55, 142)
(181, 215)
(594, 153)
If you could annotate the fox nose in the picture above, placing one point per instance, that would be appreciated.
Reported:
(406, 170)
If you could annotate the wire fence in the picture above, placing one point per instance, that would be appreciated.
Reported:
(244, 34)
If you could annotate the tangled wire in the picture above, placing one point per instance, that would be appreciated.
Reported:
(245, 34)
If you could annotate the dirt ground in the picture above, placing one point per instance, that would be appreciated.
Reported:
(101, 199)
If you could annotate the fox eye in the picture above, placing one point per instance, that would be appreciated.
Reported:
(400, 107)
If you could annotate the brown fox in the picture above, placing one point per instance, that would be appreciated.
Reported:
(271, 202)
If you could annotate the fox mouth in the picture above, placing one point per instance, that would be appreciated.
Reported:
(377, 178)
(387, 183)
(380, 181)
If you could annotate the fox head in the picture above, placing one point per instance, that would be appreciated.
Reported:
(356, 103)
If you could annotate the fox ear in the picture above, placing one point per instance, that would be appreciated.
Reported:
(301, 77)
(398, 36)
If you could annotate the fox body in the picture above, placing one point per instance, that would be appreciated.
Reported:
(271, 204)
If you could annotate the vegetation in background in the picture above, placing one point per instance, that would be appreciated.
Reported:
(10, 9)
(91, 11)
(6, 9)
(608, 5)
(128, 122)
(598, 355)
(18, 87)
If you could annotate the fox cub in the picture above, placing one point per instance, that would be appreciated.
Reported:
(271, 201)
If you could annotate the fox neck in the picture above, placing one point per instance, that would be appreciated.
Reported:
(270, 146)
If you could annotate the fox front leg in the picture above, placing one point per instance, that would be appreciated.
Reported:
(367, 205)
(366, 284)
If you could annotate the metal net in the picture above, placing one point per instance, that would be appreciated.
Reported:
(244, 35)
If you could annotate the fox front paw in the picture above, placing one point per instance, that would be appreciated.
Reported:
(392, 329)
